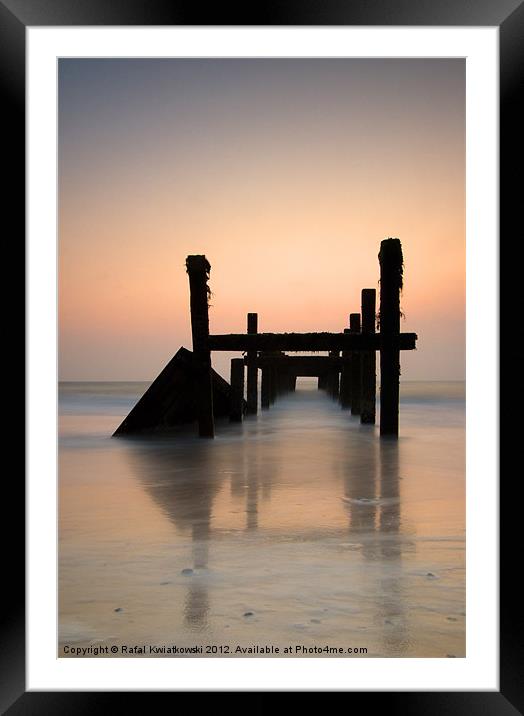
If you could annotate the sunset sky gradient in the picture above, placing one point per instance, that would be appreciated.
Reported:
(287, 174)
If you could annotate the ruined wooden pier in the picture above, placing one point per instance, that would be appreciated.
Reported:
(347, 373)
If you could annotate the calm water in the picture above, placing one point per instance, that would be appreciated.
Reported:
(297, 528)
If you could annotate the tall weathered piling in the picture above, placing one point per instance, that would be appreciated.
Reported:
(368, 359)
(237, 390)
(252, 369)
(345, 379)
(198, 269)
(391, 278)
(355, 368)
(265, 388)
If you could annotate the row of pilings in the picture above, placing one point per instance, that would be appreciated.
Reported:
(346, 376)
(347, 373)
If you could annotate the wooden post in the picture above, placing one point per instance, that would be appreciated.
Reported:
(391, 274)
(354, 327)
(368, 359)
(345, 380)
(273, 384)
(329, 382)
(237, 390)
(252, 370)
(198, 269)
(284, 381)
(281, 381)
(334, 385)
(265, 388)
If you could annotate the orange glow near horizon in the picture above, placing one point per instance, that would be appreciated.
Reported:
(289, 200)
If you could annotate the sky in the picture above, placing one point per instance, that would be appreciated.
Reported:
(285, 173)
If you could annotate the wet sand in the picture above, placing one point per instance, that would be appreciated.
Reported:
(299, 528)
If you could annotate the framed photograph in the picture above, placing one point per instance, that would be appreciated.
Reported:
(263, 365)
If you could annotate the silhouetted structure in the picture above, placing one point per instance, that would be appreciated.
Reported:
(354, 327)
(391, 281)
(171, 399)
(252, 370)
(198, 269)
(348, 373)
(237, 390)
(345, 379)
(368, 359)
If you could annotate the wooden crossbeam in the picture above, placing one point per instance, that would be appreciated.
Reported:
(305, 342)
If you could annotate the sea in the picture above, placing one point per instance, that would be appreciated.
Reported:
(297, 533)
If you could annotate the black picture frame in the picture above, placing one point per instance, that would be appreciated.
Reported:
(508, 15)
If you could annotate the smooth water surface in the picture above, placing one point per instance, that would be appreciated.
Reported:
(299, 527)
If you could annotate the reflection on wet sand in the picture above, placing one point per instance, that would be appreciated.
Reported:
(373, 502)
(297, 526)
(251, 463)
(247, 484)
(359, 473)
(392, 608)
(185, 494)
(186, 483)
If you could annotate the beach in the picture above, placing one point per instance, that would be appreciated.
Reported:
(299, 530)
